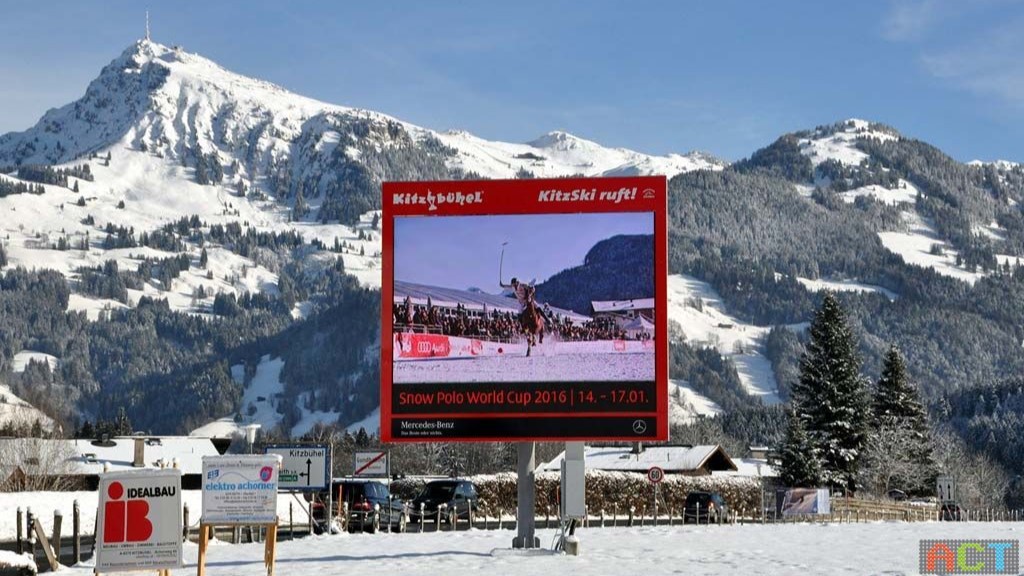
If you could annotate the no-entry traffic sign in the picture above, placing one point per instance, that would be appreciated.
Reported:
(371, 464)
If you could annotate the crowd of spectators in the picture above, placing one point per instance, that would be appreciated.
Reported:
(501, 326)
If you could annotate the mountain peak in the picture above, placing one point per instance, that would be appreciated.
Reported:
(560, 140)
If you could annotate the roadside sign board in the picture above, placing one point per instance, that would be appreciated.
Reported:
(562, 358)
(303, 467)
(373, 463)
(240, 489)
(945, 488)
(139, 523)
(655, 475)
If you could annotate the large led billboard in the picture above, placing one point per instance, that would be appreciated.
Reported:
(524, 310)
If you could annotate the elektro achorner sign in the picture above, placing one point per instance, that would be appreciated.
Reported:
(525, 310)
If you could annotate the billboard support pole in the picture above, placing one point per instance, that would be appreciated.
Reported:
(526, 492)
(330, 485)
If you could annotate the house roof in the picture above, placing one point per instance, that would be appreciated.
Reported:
(622, 305)
(88, 457)
(750, 467)
(671, 459)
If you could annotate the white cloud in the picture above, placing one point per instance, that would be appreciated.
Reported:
(911, 20)
(974, 46)
(989, 65)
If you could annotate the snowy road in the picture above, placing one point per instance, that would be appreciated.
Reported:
(536, 368)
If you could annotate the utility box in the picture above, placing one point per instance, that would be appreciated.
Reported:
(574, 483)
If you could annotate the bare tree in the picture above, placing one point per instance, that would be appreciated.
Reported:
(37, 464)
(889, 460)
(981, 482)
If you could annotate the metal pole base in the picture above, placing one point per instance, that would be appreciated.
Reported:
(525, 520)
(521, 543)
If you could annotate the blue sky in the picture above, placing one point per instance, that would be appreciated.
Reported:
(723, 76)
(465, 251)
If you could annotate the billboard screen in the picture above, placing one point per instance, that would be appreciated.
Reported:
(525, 310)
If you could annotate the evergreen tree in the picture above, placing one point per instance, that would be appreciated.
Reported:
(800, 464)
(895, 396)
(897, 407)
(86, 431)
(75, 189)
(3, 256)
(122, 424)
(830, 395)
(204, 258)
(301, 208)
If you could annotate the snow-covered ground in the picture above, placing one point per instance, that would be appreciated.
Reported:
(711, 325)
(915, 247)
(43, 505)
(17, 412)
(259, 401)
(540, 366)
(558, 153)
(844, 286)
(690, 404)
(22, 359)
(904, 193)
(841, 146)
(371, 423)
(798, 549)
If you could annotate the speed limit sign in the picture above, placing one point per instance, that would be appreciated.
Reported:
(655, 475)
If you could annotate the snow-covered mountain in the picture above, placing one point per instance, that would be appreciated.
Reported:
(167, 102)
(186, 137)
(162, 134)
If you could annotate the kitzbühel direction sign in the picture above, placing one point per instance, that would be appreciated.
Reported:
(302, 467)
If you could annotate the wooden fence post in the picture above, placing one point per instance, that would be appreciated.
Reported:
(184, 523)
(76, 532)
(630, 522)
(58, 519)
(21, 540)
(30, 524)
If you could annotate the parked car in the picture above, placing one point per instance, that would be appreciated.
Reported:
(454, 497)
(950, 512)
(369, 505)
(705, 507)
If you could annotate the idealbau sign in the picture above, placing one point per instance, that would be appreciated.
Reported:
(240, 489)
(139, 524)
(489, 329)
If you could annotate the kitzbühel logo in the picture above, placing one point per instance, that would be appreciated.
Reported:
(434, 200)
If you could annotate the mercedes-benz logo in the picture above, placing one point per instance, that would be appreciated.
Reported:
(639, 426)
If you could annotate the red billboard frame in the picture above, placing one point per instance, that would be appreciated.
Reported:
(521, 197)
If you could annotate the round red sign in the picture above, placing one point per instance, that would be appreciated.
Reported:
(655, 475)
